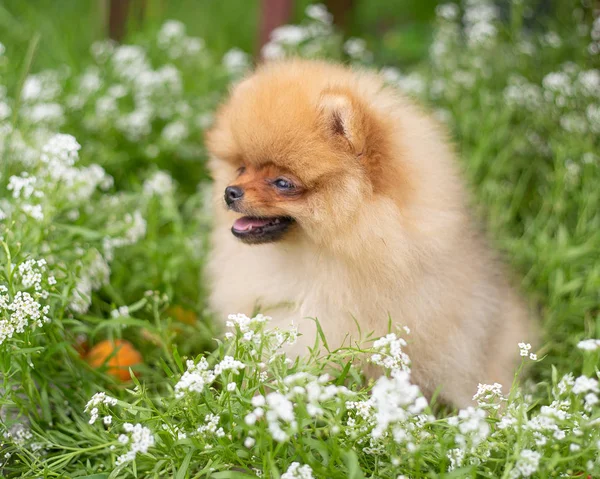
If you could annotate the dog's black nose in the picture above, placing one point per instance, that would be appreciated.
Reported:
(232, 194)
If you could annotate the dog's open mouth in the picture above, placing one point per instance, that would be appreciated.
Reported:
(256, 230)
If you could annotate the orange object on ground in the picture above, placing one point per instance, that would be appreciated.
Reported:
(118, 355)
(182, 314)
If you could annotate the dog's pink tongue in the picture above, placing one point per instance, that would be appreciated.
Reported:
(246, 223)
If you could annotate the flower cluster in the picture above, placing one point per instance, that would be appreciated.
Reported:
(473, 430)
(316, 38)
(159, 184)
(172, 38)
(98, 400)
(195, 378)
(23, 309)
(138, 439)
(527, 464)
(389, 353)
(589, 344)
(489, 396)
(395, 403)
(296, 471)
(525, 349)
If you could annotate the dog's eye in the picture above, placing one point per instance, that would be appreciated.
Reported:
(241, 170)
(283, 184)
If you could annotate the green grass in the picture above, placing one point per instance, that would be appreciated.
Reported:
(532, 163)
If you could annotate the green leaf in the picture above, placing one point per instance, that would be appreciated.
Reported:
(351, 460)
(182, 472)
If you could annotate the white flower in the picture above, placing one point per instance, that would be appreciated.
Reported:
(21, 312)
(192, 45)
(412, 84)
(231, 386)
(552, 40)
(195, 378)
(102, 50)
(24, 186)
(93, 415)
(229, 364)
(96, 275)
(318, 11)
(480, 33)
(236, 61)
(272, 51)
(280, 412)
(296, 471)
(447, 11)
(211, 426)
(355, 47)
(521, 93)
(574, 122)
(527, 464)
(159, 184)
(589, 344)
(472, 426)
(129, 61)
(479, 21)
(20, 434)
(280, 406)
(140, 440)
(175, 132)
(589, 81)
(205, 120)
(46, 113)
(171, 31)
(122, 311)
(558, 82)
(391, 74)
(135, 125)
(289, 35)
(396, 400)
(593, 116)
(107, 420)
(250, 419)
(524, 349)
(41, 87)
(249, 442)
(390, 354)
(34, 211)
(489, 395)
(100, 398)
(584, 384)
(5, 110)
(456, 456)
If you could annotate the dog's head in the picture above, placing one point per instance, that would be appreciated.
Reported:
(294, 149)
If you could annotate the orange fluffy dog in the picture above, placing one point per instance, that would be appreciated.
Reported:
(336, 198)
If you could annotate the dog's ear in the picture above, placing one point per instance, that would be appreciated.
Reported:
(343, 118)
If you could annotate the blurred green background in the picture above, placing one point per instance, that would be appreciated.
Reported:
(68, 27)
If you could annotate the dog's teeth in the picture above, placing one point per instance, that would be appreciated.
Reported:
(276, 220)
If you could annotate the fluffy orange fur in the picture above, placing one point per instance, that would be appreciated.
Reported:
(382, 229)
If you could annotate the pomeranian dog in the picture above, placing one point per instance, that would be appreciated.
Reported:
(336, 198)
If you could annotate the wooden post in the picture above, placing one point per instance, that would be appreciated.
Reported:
(119, 16)
(340, 9)
(273, 14)
(117, 19)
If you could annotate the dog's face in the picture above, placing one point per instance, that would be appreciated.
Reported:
(290, 155)
(268, 197)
